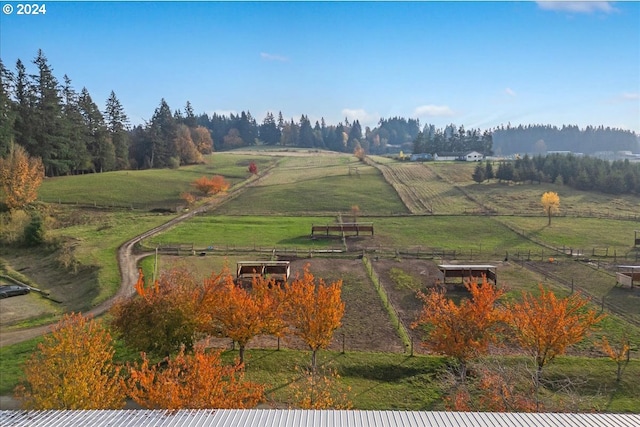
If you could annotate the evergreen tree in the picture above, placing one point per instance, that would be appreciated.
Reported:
(268, 131)
(479, 173)
(306, 138)
(75, 129)
(51, 145)
(7, 111)
(118, 124)
(98, 140)
(161, 132)
(488, 172)
(189, 117)
(25, 109)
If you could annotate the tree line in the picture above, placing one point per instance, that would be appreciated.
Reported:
(538, 139)
(70, 134)
(580, 172)
(452, 139)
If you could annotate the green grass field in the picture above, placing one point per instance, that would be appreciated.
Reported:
(302, 189)
(146, 189)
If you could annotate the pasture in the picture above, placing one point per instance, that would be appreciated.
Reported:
(146, 189)
(423, 214)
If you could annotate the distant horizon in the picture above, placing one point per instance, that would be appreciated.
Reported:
(478, 64)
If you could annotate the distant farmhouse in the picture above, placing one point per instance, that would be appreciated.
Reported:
(472, 156)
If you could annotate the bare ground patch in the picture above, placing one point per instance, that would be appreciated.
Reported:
(73, 292)
(365, 325)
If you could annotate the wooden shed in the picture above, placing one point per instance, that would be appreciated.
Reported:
(467, 271)
(628, 275)
(247, 270)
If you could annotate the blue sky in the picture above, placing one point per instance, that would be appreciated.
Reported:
(480, 64)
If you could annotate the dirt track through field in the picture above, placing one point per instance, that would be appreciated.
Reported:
(128, 264)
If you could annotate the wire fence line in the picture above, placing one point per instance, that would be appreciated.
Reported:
(178, 206)
(602, 256)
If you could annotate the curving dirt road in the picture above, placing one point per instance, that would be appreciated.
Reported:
(128, 264)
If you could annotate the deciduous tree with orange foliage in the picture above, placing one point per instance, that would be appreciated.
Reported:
(320, 390)
(494, 387)
(618, 352)
(72, 369)
(214, 185)
(20, 177)
(192, 381)
(162, 317)
(545, 325)
(462, 331)
(238, 313)
(313, 310)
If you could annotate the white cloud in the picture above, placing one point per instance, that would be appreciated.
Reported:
(272, 57)
(359, 114)
(577, 6)
(629, 96)
(433, 111)
(510, 92)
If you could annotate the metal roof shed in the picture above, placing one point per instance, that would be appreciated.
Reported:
(307, 418)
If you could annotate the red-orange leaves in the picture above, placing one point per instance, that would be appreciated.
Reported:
(314, 310)
(195, 381)
(545, 326)
(215, 184)
(238, 313)
(461, 331)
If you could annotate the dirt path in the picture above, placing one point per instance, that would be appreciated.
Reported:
(128, 264)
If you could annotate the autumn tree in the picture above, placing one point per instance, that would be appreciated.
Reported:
(545, 325)
(73, 368)
(313, 310)
(213, 185)
(184, 146)
(320, 390)
(202, 139)
(618, 352)
(162, 317)
(188, 198)
(20, 177)
(253, 168)
(462, 331)
(355, 211)
(192, 381)
(495, 386)
(550, 203)
(239, 313)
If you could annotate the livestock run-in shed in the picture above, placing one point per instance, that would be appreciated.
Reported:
(467, 271)
(247, 270)
(308, 418)
(628, 275)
